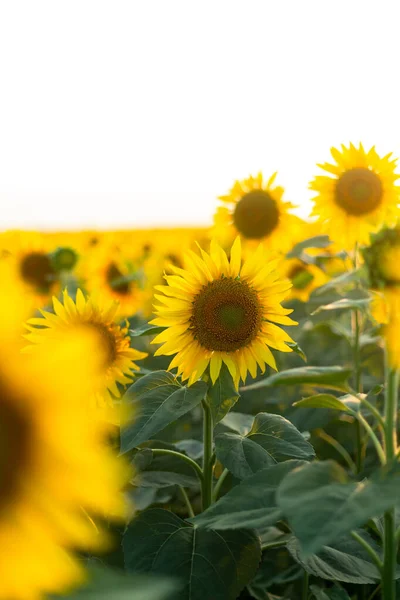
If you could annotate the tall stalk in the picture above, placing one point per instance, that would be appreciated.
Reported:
(390, 543)
(356, 330)
(208, 461)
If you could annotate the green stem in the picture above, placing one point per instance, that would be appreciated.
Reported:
(368, 548)
(277, 544)
(372, 435)
(207, 485)
(357, 369)
(190, 461)
(338, 447)
(219, 484)
(304, 592)
(187, 502)
(390, 545)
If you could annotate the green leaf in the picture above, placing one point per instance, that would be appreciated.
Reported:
(210, 564)
(317, 241)
(276, 568)
(106, 584)
(322, 401)
(280, 438)
(271, 439)
(333, 593)
(345, 304)
(296, 348)
(157, 399)
(240, 455)
(161, 471)
(193, 448)
(146, 329)
(251, 504)
(340, 282)
(342, 560)
(322, 503)
(238, 422)
(334, 378)
(222, 395)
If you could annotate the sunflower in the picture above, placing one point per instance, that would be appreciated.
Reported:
(304, 277)
(107, 272)
(57, 475)
(218, 311)
(358, 196)
(92, 315)
(29, 259)
(255, 210)
(382, 264)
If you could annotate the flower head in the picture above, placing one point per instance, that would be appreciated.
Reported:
(218, 311)
(358, 195)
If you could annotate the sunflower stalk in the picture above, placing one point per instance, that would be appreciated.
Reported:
(208, 455)
(355, 322)
(390, 541)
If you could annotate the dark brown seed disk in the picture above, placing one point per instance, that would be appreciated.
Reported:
(15, 444)
(358, 191)
(36, 269)
(256, 215)
(112, 276)
(226, 316)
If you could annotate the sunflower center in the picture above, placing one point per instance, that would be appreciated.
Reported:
(256, 214)
(14, 445)
(113, 275)
(108, 342)
(226, 315)
(36, 269)
(358, 191)
(300, 277)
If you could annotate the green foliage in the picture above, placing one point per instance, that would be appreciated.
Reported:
(157, 399)
(252, 503)
(326, 377)
(322, 401)
(222, 396)
(107, 584)
(342, 560)
(321, 502)
(209, 564)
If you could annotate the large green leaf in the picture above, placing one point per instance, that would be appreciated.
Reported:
(333, 593)
(317, 241)
(240, 455)
(210, 564)
(160, 471)
(106, 584)
(345, 304)
(342, 560)
(222, 395)
(280, 438)
(271, 439)
(321, 503)
(157, 399)
(238, 422)
(322, 401)
(334, 378)
(251, 504)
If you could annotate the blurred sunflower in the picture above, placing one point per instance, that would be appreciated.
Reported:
(105, 272)
(29, 260)
(254, 209)
(357, 197)
(382, 263)
(304, 277)
(57, 475)
(92, 315)
(218, 311)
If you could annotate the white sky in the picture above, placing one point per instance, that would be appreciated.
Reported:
(135, 113)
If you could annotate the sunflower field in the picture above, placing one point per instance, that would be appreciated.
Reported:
(208, 413)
